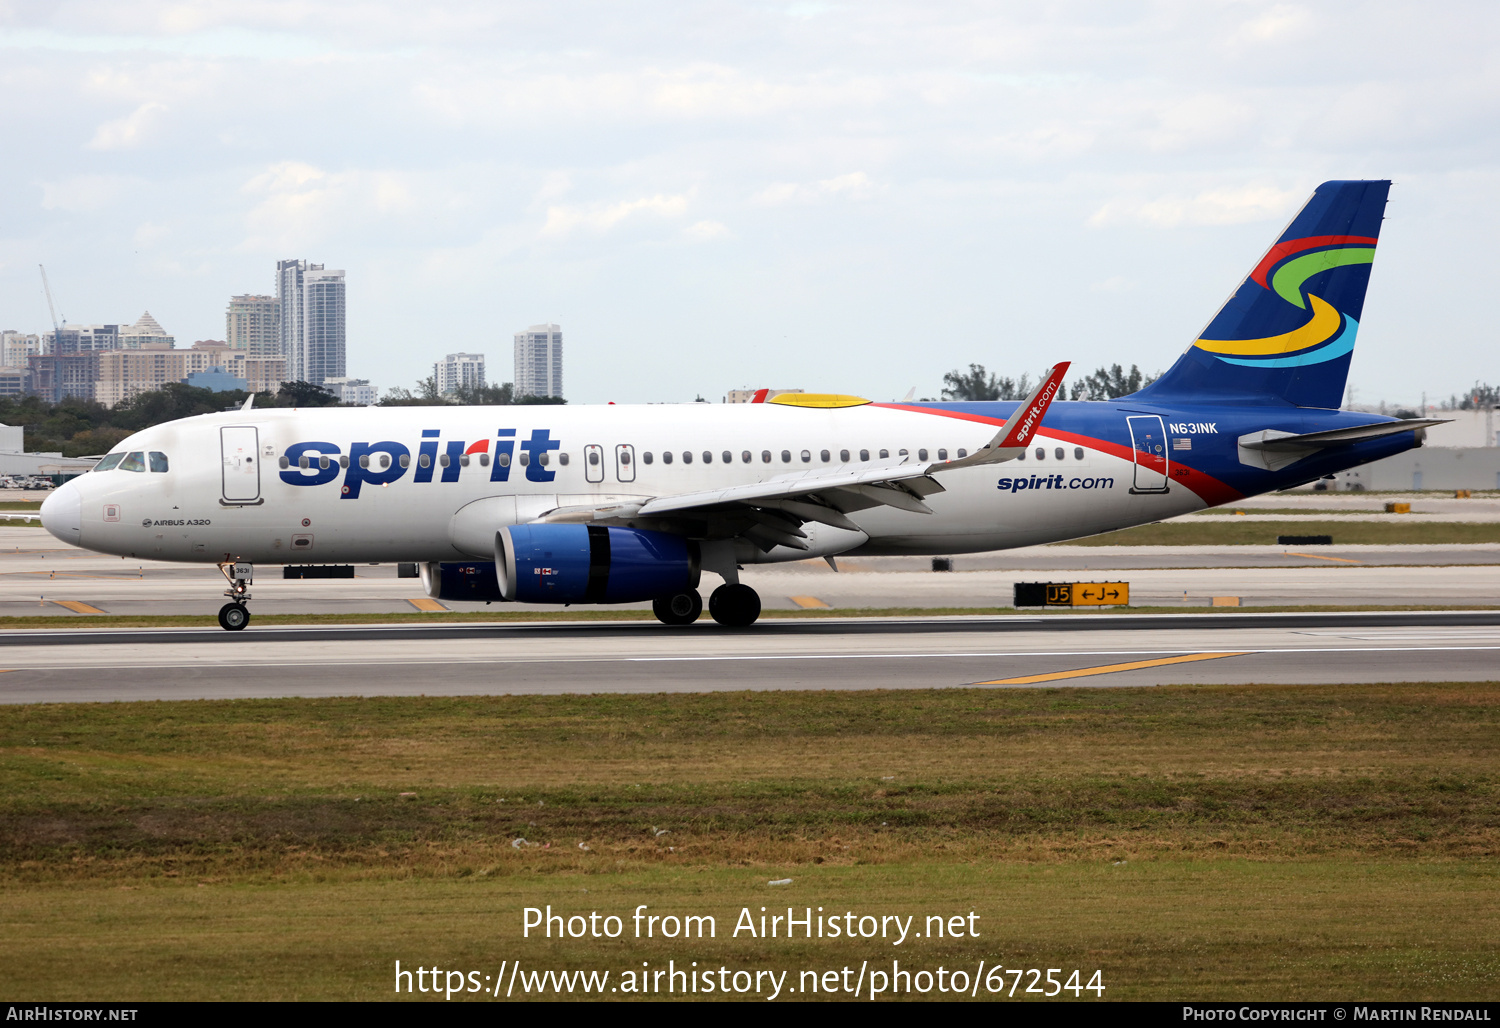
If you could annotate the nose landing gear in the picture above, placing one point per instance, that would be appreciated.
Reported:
(235, 615)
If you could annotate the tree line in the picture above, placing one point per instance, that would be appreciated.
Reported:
(1105, 384)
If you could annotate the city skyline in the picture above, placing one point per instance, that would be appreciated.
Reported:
(805, 186)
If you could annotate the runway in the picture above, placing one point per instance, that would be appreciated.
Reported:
(631, 657)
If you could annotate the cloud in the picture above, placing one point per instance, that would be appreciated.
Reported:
(563, 220)
(853, 186)
(129, 131)
(82, 193)
(1279, 24)
(703, 231)
(1229, 206)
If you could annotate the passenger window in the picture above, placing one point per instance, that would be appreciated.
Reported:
(1078, 453)
(745, 456)
(1058, 453)
(647, 457)
(708, 457)
(962, 453)
(405, 460)
(729, 457)
(786, 456)
(112, 461)
(484, 460)
(864, 454)
(806, 457)
(134, 461)
(1021, 455)
(687, 456)
(284, 464)
(1041, 453)
(765, 456)
(625, 457)
(364, 460)
(844, 456)
(322, 462)
(385, 461)
(824, 457)
(884, 453)
(344, 461)
(159, 461)
(666, 456)
(525, 458)
(545, 458)
(502, 458)
(444, 460)
(593, 458)
(902, 452)
(922, 453)
(463, 460)
(562, 458)
(303, 462)
(942, 454)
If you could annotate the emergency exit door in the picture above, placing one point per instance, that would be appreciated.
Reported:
(238, 446)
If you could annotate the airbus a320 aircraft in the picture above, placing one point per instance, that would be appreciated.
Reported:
(621, 504)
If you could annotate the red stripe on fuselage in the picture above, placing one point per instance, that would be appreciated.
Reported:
(1208, 488)
(1283, 250)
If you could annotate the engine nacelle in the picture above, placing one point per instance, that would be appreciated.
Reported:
(591, 564)
(473, 582)
(571, 564)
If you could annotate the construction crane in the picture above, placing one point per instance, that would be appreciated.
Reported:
(56, 325)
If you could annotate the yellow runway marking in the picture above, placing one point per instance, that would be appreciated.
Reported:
(809, 602)
(1109, 669)
(423, 603)
(78, 608)
(1318, 556)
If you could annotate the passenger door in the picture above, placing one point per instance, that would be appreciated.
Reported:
(1148, 438)
(241, 469)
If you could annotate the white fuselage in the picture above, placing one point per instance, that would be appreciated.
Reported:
(235, 488)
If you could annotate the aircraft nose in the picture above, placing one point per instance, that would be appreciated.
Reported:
(62, 513)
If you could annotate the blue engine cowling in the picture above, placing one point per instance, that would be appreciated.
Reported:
(572, 564)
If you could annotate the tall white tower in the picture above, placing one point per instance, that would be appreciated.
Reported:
(312, 321)
(539, 361)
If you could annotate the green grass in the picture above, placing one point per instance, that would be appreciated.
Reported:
(1264, 533)
(1205, 842)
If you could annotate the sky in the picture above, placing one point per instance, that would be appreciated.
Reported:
(836, 197)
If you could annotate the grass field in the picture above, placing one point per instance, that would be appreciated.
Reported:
(1264, 533)
(1229, 842)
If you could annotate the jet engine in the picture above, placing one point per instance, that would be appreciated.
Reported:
(571, 564)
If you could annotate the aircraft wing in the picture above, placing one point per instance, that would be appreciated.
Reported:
(771, 512)
(6, 516)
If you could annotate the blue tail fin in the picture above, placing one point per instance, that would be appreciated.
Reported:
(1287, 334)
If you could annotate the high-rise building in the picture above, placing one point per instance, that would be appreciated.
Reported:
(459, 369)
(81, 339)
(146, 332)
(311, 301)
(15, 347)
(251, 326)
(539, 368)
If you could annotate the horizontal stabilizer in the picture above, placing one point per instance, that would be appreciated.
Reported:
(1273, 450)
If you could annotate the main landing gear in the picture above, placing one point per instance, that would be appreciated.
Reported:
(733, 606)
(235, 615)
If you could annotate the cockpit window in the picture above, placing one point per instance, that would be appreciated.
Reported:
(134, 461)
(159, 461)
(110, 462)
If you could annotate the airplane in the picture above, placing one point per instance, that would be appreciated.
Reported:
(632, 503)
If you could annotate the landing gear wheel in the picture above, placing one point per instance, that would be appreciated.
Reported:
(681, 609)
(233, 616)
(734, 606)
